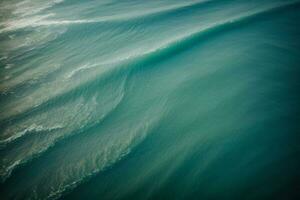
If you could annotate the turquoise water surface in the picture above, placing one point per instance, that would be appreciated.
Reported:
(160, 100)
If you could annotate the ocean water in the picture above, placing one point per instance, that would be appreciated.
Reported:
(162, 99)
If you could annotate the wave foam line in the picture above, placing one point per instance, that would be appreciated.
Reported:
(27, 78)
(25, 8)
(81, 68)
(13, 25)
(116, 152)
(29, 130)
(6, 173)
(62, 95)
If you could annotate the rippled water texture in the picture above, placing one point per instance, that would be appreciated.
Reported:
(136, 99)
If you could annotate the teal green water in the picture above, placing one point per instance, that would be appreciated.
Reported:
(136, 99)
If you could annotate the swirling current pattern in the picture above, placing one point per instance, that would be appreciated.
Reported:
(164, 99)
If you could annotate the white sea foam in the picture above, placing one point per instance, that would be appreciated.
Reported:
(43, 20)
(15, 24)
(34, 128)
(99, 108)
(29, 7)
(114, 151)
(8, 66)
(26, 14)
(4, 174)
(81, 68)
